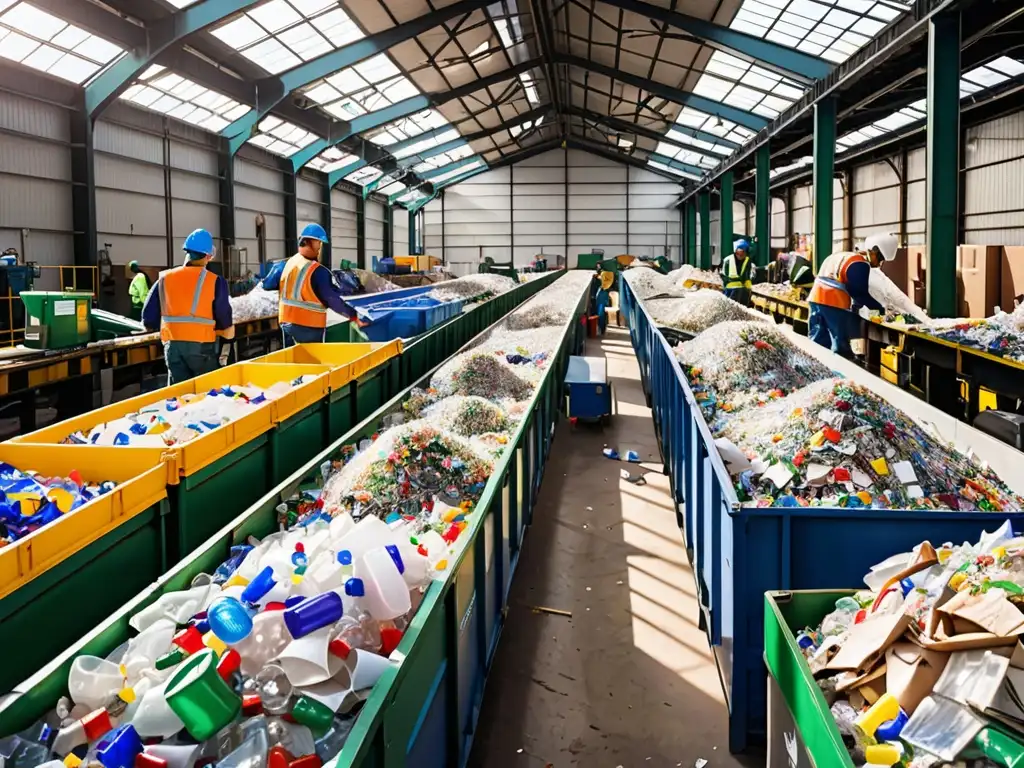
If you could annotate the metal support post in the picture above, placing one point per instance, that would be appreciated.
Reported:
(360, 232)
(389, 233)
(413, 221)
(942, 178)
(763, 205)
(326, 254)
(690, 214)
(291, 213)
(725, 220)
(705, 228)
(824, 171)
(226, 195)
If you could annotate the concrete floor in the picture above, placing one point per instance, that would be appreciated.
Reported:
(629, 679)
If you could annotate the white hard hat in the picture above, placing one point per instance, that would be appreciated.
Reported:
(886, 244)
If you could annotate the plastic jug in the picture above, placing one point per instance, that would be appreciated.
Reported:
(369, 533)
(154, 717)
(386, 593)
(93, 681)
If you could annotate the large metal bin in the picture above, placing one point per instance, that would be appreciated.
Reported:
(424, 710)
(739, 553)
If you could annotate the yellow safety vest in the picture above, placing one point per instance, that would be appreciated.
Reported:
(736, 278)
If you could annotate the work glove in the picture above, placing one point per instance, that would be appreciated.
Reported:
(225, 354)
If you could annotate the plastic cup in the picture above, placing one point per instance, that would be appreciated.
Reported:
(200, 697)
(307, 661)
(387, 594)
(93, 681)
(367, 670)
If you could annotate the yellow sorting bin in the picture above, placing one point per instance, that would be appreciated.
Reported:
(347, 361)
(93, 558)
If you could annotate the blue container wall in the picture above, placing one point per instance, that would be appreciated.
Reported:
(740, 553)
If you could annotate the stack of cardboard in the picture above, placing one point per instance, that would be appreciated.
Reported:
(988, 276)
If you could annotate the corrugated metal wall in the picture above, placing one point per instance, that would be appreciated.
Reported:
(259, 193)
(374, 231)
(433, 233)
(35, 184)
(400, 231)
(994, 205)
(344, 227)
(309, 201)
(556, 203)
(779, 234)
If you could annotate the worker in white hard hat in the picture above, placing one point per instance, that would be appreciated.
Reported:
(841, 289)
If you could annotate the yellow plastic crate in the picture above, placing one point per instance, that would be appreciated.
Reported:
(140, 485)
(418, 263)
(189, 458)
(347, 361)
(890, 365)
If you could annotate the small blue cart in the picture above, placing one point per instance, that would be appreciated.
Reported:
(589, 395)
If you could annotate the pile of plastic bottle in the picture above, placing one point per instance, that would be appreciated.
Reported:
(178, 420)
(740, 364)
(28, 500)
(915, 732)
(1001, 335)
(254, 305)
(837, 444)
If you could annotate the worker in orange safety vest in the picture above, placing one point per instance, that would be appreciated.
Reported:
(190, 306)
(841, 289)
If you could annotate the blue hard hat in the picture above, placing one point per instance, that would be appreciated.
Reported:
(200, 241)
(314, 232)
(741, 245)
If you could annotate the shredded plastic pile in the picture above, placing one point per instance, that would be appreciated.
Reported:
(30, 500)
(482, 286)
(646, 283)
(178, 420)
(835, 443)
(699, 311)
(688, 272)
(483, 375)
(469, 416)
(737, 364)
(255, 305)
(778, 291)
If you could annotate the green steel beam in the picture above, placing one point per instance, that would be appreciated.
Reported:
(823, 173)
(276, 89)
(694, 170)
(171, 30)
(943, 158)
(412, 231)
(763, 204)
(739, 116)
(360, 231)
(725, 220)
(704, 201)
(486, 133)
(778, 58)
(690, 216)
(405, 108)
(422, 203)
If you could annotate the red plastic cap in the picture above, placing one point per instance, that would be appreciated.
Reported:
(96, 724)
(189, 640)
(306, 761)
(278, 757)
(229, 663)
(274, 606)
(146, 760)
(339, 648)
(390, 637)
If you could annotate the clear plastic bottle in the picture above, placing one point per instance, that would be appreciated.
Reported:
(331, 743)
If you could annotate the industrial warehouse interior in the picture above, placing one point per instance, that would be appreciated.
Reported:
(501, 383)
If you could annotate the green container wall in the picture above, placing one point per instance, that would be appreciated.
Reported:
(785, 614)
(96, 580)
(423, 712)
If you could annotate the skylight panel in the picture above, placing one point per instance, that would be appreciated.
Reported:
(281, 137)
(279, 35)
(377, 69)
(440, 178)
(393, 188)
(169, 93)
(1007, 66)
(49, 44)
(445, 158)
(426, 144)
(802, 162)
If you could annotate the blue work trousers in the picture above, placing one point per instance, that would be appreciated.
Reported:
(187, 359)
(831, 328)
(294, 333)
(604, 300)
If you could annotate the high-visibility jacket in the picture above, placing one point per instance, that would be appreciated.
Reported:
(830, 284)
(138, 289)
(734, 276)
(298, 303)
(186, 304)
(802, 274)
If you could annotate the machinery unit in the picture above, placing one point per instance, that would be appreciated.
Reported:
(56, 320)
(15, 279)
(492, 267)
(589, 393)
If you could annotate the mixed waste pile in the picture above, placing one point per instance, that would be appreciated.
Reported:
(691, 274)
(699, 311)
(29, 500)
(1001, 335)
(266, 661)
(739, 364)
(925, 667)
(779, 291)
(255, 305)
(647, 283)
(835, 443)
(177, 420)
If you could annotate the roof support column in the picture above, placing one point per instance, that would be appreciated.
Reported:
(226, 195)
(943, 162)
(360, 232)
(705, 228)
(413, 221)
(690, 219)
(326, 254)
(763, 206)
(83, 190)
(389, 232)
(824, 171)
(291, 213)
(725, 221)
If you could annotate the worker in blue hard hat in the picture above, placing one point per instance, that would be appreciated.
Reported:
(307, 290)
(191, 307)
(737, 273)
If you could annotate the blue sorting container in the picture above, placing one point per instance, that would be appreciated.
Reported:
(739, 553)
(402, 314)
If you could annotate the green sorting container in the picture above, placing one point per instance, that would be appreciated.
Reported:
(56, 319)
(589, 260)
(422, 711)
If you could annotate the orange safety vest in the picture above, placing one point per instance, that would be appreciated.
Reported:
(298, 303)
(830, 284)
(186, 304)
